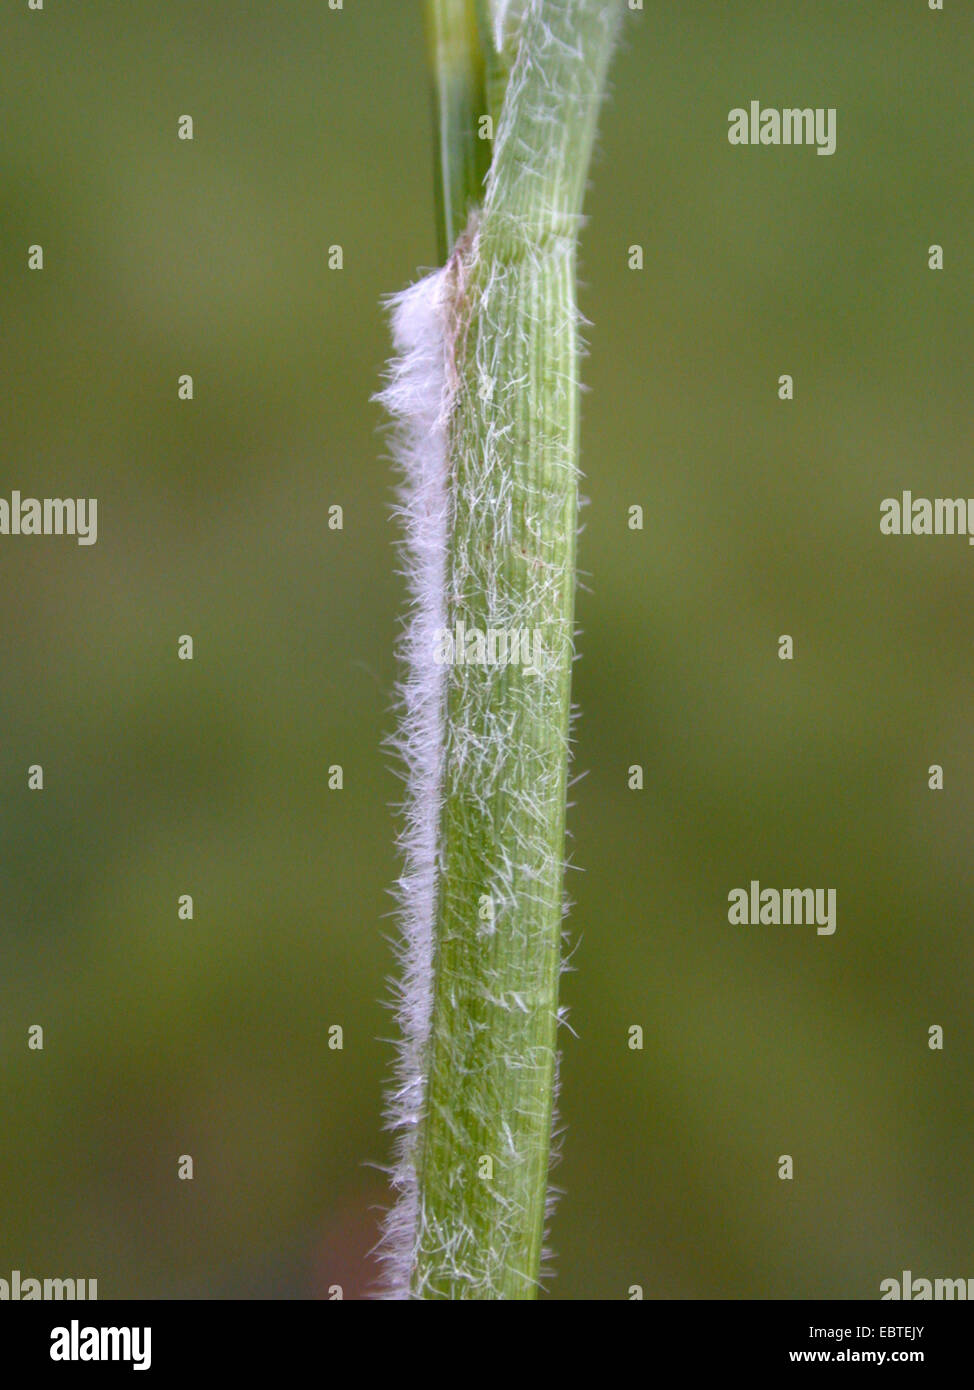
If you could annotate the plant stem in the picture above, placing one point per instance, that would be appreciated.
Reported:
(482, 1148)
(460, 101)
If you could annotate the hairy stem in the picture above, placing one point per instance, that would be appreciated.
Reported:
(481, 1149)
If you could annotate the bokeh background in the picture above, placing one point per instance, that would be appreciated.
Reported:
(162, 777)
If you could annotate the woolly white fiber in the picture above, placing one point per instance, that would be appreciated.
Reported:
(417, 395)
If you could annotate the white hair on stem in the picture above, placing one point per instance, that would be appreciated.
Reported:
(418, 395)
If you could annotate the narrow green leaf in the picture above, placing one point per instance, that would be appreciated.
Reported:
(460, 100)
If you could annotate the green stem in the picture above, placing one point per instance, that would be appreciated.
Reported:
(460, 101)
(483, 1146)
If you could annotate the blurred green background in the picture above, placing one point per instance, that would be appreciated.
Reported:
(162, 777)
